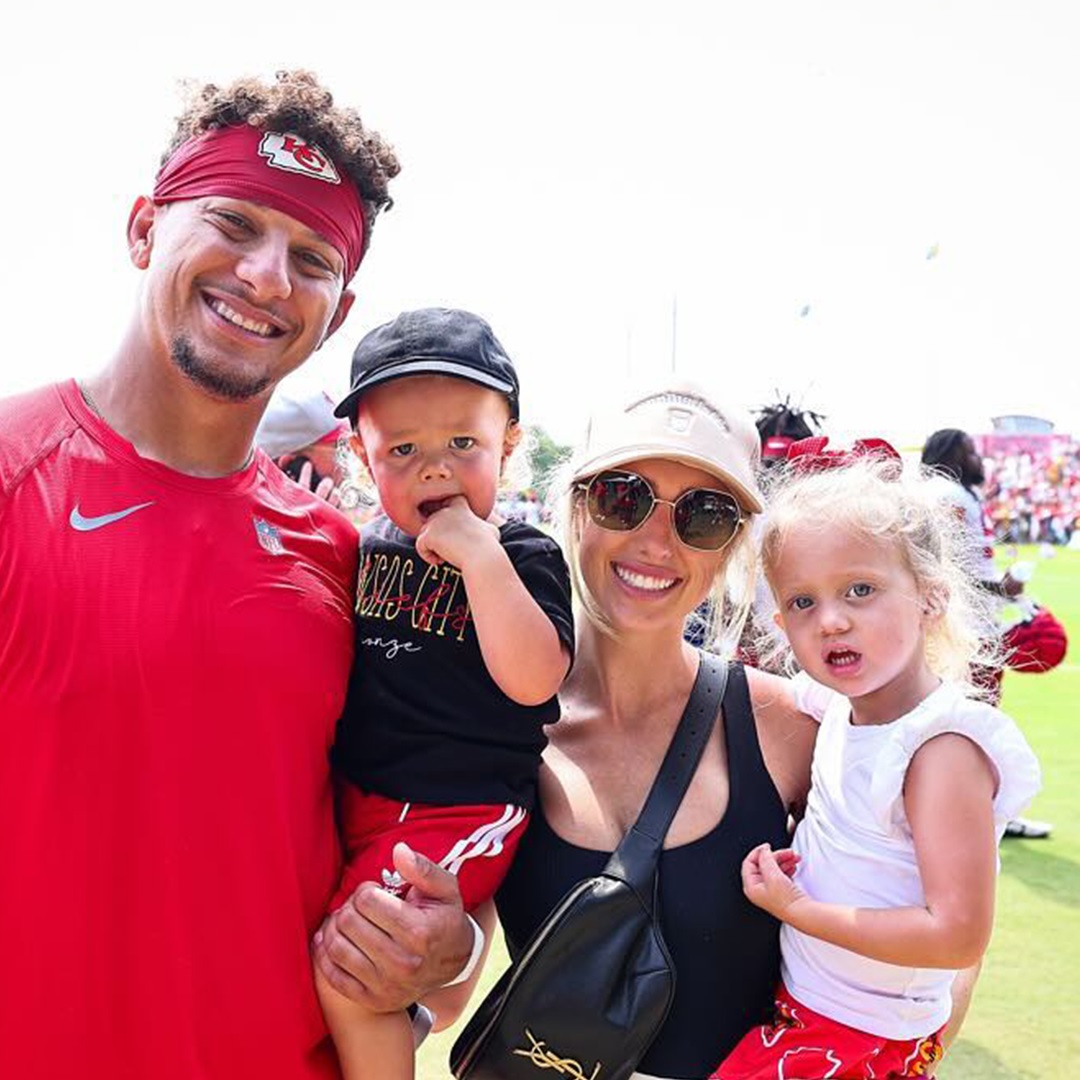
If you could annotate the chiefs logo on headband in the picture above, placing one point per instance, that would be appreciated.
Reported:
(273, 168)
(291, 153)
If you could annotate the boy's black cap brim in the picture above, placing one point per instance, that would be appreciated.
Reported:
(424, 366)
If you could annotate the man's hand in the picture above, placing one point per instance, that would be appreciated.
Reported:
(386, 951)
(767, 879)
(454, 534)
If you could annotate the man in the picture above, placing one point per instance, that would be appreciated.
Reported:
(952, 453)
(177, 635)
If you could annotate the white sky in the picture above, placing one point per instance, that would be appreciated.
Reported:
(580, 172)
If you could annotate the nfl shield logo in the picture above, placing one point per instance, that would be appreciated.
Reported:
(268, 536)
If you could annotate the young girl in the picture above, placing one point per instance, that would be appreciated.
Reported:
(464, 633)
(888, 888)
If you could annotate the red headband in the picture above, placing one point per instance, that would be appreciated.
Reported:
(278, 170)
(810, 455)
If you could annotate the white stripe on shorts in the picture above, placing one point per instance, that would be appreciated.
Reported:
(485, 841)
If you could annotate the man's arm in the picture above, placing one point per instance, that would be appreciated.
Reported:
(387, 951)
(449, 1003)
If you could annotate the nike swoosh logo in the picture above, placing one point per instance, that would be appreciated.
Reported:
(88, 524)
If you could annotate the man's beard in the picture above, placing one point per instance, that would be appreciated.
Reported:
(230, 385)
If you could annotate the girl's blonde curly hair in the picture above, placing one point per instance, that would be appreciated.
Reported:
(875, 499)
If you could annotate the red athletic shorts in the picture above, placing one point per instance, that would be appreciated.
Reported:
(800, 1044)
(477, 843)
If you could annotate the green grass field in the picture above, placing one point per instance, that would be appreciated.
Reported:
(1022, 1024)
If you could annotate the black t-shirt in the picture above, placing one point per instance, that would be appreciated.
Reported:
(424, 721)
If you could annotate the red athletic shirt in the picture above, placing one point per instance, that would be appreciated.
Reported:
(174, 653)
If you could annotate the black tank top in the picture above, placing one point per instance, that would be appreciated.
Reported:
(726, 951)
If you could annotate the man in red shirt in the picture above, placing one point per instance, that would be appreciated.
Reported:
(177, 635)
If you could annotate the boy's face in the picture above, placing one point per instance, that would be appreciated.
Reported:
(427, 438)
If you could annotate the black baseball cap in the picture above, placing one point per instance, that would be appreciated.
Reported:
(431, 341)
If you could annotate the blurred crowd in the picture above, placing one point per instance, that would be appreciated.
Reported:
(1032, 494)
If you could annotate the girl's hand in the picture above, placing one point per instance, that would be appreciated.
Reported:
(767, 880)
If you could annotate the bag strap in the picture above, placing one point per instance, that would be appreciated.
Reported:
(635, 859)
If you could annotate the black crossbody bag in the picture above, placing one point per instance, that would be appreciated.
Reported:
(592, 988)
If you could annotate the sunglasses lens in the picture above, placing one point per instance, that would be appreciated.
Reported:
(706, 520)
(619, 501)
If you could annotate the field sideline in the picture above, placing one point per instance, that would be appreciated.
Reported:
(1023, 1024)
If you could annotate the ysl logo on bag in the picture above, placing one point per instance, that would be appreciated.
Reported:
(546, 1059)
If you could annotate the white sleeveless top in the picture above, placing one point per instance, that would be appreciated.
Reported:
(857, 848)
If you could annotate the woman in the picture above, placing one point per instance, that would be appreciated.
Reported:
(659, 514)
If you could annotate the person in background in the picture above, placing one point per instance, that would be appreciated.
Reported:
(951, 453)
(310, 444)
(302, 435)
(781, 424)
(302, 425)
(177, 637)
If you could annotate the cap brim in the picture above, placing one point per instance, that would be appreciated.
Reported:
(347, 408)
(749, 498)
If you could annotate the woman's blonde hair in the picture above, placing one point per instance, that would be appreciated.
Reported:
(874, 498)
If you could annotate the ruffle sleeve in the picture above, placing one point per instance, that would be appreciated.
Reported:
(1018, 774)
(812, 697)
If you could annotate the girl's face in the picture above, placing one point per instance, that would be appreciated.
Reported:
(649, 579)
(852, 611)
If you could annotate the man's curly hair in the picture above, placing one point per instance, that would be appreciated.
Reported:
(295, 101)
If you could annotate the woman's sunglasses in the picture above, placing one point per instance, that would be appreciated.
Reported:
(704, 519)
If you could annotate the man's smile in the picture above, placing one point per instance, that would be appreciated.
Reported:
(230, 312)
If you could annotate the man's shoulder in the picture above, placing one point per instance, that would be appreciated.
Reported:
(328, 519)
(31, 424)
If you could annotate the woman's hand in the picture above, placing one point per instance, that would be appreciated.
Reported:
(767, 879)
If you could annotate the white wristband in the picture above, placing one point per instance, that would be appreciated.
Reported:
(478, 942)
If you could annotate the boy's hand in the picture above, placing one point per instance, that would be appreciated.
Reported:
(454, 534)
(767, 880)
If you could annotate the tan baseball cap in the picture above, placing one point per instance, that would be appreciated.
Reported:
(294, 421)
(676, 420)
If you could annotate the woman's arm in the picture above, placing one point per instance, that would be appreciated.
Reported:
(785, 734)
(948, 796)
